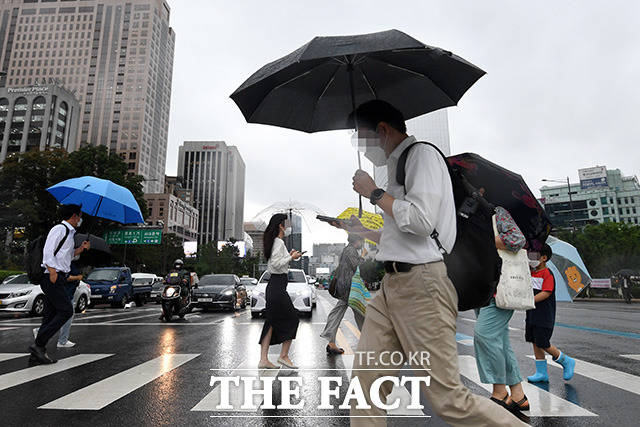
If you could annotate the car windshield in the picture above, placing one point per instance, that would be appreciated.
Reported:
(217, 280)
(247, 282)
(20, 278)
(103, 275)
(293, 276)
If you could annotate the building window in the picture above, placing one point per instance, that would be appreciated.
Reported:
(626, 200)
(35, 125)
(603, 200)
(605, 211)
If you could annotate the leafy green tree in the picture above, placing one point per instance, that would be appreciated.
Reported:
(606, 248)
(157, 259)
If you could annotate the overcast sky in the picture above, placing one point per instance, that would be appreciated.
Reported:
(561, 90)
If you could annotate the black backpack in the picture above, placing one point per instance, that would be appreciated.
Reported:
(473, 264)
(34, 256)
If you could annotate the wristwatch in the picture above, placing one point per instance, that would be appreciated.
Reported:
(376, 195)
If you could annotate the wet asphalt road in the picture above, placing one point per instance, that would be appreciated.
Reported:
(129, 368)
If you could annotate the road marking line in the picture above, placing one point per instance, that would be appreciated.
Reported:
(464, 339)
(8, 329)
(631, 356)
(342, 342)
(9, 356)
(100, 316)
(600, 331)
(608, 376)
(543, 403)
(156, 314)
(135, 324)
(100, 394)
(35, 372)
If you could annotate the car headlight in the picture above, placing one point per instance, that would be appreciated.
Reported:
(227, 292)
(19, 294)
(170, 292)
(113, 289)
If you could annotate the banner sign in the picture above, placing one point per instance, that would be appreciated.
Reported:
(135, 236)
(601, 283)
(593, 177)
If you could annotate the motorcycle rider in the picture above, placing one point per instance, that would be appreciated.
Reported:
(179, 275)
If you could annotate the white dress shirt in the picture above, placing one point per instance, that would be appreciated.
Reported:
(427, 205)
(62, 261)
(280, 258)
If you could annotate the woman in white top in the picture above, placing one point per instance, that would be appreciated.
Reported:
(281, 320)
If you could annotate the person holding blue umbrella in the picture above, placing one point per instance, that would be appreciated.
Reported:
(56, 261)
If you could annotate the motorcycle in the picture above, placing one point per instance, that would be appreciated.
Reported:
(173, 304)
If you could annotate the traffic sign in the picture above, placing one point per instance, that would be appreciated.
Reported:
(134, 236)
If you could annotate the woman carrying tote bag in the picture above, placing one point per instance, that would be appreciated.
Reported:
(495, 359)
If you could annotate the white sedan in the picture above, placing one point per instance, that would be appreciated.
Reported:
(20, 295)
(302, 294)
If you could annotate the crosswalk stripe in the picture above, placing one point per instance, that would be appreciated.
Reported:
(22, 376)
(543, 403)
(126, 319)
(464, 339)
(7, 329)
(631, 356)
(9, 356)
(100, 394)
(608, 376)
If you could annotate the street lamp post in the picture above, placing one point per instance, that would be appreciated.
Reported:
(573, 219)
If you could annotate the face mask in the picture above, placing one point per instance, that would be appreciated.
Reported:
(364, 141)
(287, 232)
(79, 223)
(534, 263)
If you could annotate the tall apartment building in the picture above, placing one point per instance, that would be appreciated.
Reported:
(215, 172)
(116, 56)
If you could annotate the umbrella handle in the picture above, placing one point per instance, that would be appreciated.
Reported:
(359, 196)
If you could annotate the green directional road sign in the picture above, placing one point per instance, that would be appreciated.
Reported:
(134, 236)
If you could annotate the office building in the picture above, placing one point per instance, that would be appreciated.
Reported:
(325, 256)
(601, 195)
(37, 118)
(116, 56)
(215, 173)
(433, 128)
(173, 215)
(255, 232)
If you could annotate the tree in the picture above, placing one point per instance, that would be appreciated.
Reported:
(157, 259)
(606, 248)
(24, 178)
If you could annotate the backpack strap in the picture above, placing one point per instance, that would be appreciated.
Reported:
(64, 239)
(401, 176)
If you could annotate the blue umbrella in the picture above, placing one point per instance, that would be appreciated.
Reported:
(99, 197)
(568, 269)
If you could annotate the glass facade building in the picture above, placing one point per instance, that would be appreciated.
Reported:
(215, 173)
(37, 118)
(618, 200)
(116, 56)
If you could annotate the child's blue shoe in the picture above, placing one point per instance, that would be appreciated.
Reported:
(541, 374)
(568, 365)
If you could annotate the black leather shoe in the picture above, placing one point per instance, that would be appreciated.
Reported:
(39, 355)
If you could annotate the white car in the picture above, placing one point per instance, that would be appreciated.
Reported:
(302, 294)
(20, 295)
(156, 282)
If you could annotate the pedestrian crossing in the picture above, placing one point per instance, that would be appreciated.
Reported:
(110, 390)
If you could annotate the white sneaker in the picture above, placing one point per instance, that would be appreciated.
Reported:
(35, 332)
(68, 344)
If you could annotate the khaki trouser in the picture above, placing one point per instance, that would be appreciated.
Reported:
(416, 312)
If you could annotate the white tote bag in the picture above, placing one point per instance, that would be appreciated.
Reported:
(515, 291)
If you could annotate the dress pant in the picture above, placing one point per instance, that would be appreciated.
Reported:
(415, 313)
(335, 317)
(57, 308)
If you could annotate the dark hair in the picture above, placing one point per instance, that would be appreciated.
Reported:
(354, 238)
(272, 231)
(67, 211)
(546, 251)
(371, 113)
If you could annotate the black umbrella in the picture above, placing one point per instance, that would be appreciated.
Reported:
(98, 255)
(507, 189)
(316, 87)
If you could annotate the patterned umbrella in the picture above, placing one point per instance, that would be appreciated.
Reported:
(569, 271)
(507, 189)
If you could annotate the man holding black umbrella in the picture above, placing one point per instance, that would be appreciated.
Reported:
(415, 312)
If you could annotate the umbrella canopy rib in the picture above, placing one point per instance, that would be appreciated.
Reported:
(415, 73)
(326, 87)
(366, 80)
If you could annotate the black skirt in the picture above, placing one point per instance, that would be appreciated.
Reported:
(279, 311)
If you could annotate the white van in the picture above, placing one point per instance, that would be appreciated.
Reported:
(145, 279)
